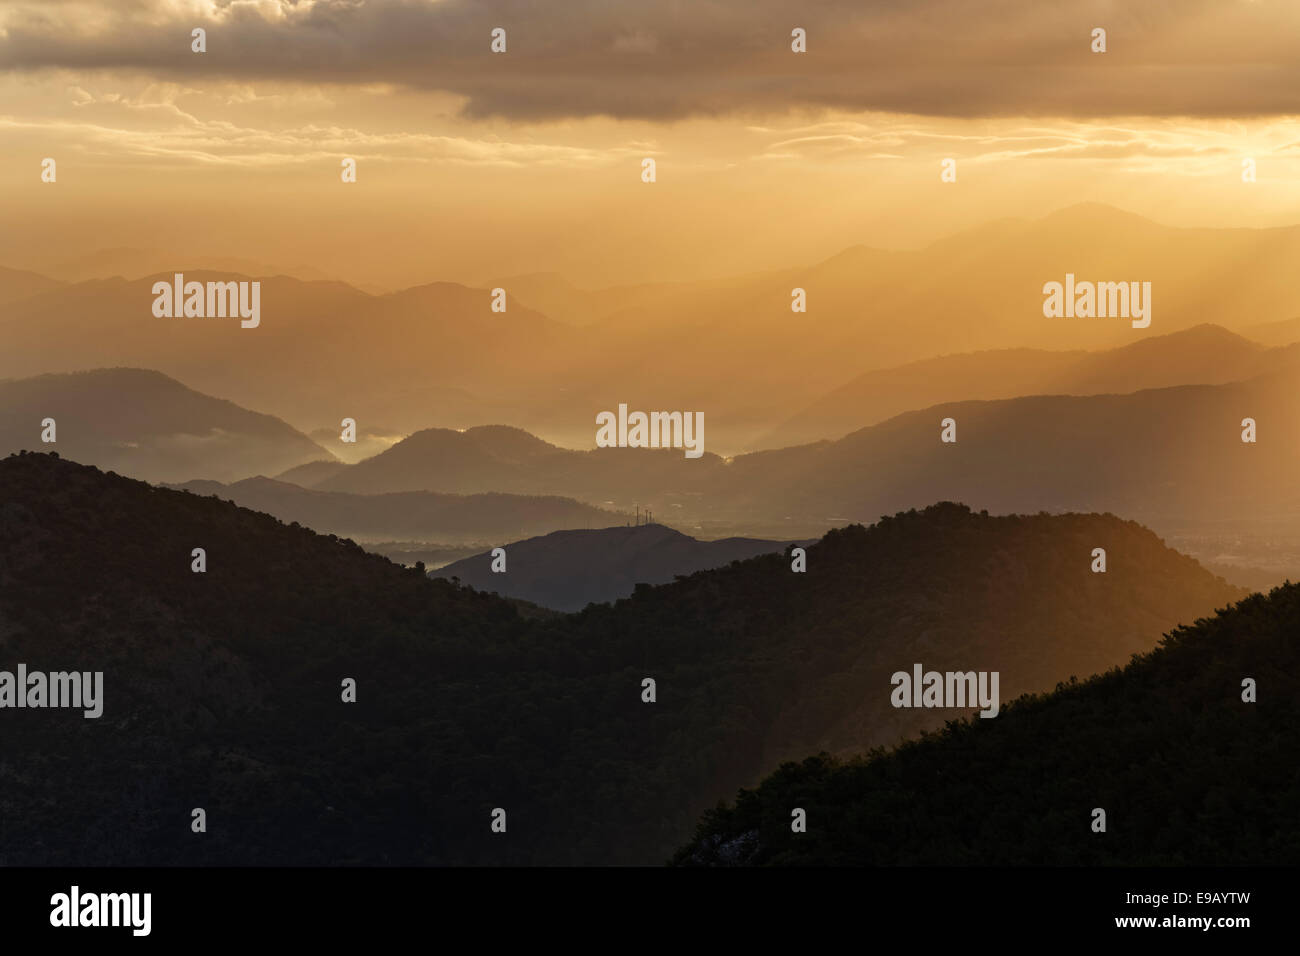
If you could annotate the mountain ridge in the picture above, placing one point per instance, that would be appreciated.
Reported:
(569, 569)
(1185, 771)
(465, 703)
(148, 424)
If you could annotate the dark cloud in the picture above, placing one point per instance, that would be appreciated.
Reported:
(665, 59)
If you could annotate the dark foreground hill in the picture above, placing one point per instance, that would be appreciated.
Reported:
(222, 689)
(1187, 772)
(567, 570)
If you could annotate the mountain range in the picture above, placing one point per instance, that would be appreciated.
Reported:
(1166, 456)
(407, 516)
(1170, 457)
(224, 689)
(436, 355)
(147, 425)
(1203, 355)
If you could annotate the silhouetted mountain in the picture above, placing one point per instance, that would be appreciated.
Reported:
(501, 458)
(16, 284)
(1165, 456)
(1160, 456)
(733, 348)
(1186, 771)
(321, 352)
(1204, 355)
(144, 424)
(438, 356)
(1279, 332)
(312, 473)
(129, 263)
(222, 689)
(567, 570)
(445, 459)
(407, 516)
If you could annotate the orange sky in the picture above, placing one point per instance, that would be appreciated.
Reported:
(474, 165)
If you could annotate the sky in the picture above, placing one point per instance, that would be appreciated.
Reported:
(473, 164)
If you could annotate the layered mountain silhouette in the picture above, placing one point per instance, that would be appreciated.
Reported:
(312, 473)
(406, 516)
(1166, 456)
(223, 689)
(125, 261)
(1158, 455)
(145, 424)
(322, 351)
(438, 356)
(17, 284)
(978, 290)
(1204, 355)
(1187, 772)
(567, 570)
(1278, 332)
(1170, 457)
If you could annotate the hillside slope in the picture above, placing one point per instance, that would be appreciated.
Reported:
(144, 424)
(1204, 355)
(1186, 771)
(222, 689)
(1158, 455)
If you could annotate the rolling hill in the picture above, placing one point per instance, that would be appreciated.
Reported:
(222, 689)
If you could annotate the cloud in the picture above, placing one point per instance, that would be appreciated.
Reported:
(1197, 146)
(668, 60)
(150, 124)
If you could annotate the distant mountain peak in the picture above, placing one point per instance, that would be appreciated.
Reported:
(1095, 212)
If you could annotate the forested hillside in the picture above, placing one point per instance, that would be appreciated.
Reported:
(222, 689)
(1187, 772)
